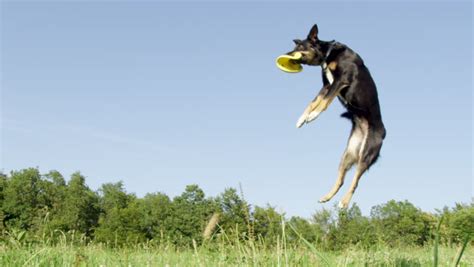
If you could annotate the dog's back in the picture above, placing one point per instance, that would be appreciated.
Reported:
(361, 98)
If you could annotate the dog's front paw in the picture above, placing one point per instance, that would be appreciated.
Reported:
(312, 116)
(301, 120)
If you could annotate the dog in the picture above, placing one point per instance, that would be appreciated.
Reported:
(345, 76)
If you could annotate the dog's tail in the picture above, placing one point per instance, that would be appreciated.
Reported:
(348, 115)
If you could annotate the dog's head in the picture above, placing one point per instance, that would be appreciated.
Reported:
(312, 49)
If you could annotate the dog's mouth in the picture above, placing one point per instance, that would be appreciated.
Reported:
(307, 58)
(297, 55)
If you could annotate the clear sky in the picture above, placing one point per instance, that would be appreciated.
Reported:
(161, 95)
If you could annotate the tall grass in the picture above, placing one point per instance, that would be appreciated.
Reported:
(227, 248)
(97, 255)
(436, 243)
(461, 250)
(460, 253)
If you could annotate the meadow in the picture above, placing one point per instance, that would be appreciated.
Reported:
(50, 222)
(225, 249)
(228, 255)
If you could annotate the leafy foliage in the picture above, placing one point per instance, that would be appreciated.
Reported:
(401, 223)
(46, 208)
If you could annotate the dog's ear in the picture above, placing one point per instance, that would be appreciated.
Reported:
(313, 34)
(297, 41)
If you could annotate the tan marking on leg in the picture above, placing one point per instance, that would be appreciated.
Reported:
(325, 98)
(355, 142)
(332, 65)
(349, 157)
(365, 129)
(361, 167)
(344, 203)
(346, 163)
(320, 104)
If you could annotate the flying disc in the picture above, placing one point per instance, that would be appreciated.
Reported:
(289, 63)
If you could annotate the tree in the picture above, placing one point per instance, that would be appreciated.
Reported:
(235, 212)
(190, 214)
(458, 222)
(323, 220)
(120, 221)
(22, 198)
(53, 188)
(156, 207)
(400, 223)
(267, 223)
(3, 186)
(351, 228)
(304, 229)
(462, 223)
(113, 195)
(40, 205)
(80, 211)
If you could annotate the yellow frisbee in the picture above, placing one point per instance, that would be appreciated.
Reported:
(289, 63)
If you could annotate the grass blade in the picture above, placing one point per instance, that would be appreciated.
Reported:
(436, 243)
(311, 246)
(461, 250)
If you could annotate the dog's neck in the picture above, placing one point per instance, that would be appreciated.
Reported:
(330, 44)
(324, 65)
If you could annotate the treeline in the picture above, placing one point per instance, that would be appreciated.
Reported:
(36, 207)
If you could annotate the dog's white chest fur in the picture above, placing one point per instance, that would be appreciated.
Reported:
(327, 73)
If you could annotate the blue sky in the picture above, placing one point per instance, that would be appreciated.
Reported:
(161, 95)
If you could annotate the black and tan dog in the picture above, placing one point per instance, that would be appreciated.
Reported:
(345, 76)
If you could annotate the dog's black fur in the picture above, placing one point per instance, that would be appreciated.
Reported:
(356, 90)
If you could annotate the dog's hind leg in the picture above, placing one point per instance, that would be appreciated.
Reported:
(349, 157)
(361, 168)
(346, 163)
(369, 152)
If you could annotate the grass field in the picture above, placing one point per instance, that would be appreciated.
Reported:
(248, 255)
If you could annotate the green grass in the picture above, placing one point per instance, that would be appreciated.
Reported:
(227, 250)
(229, 255)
